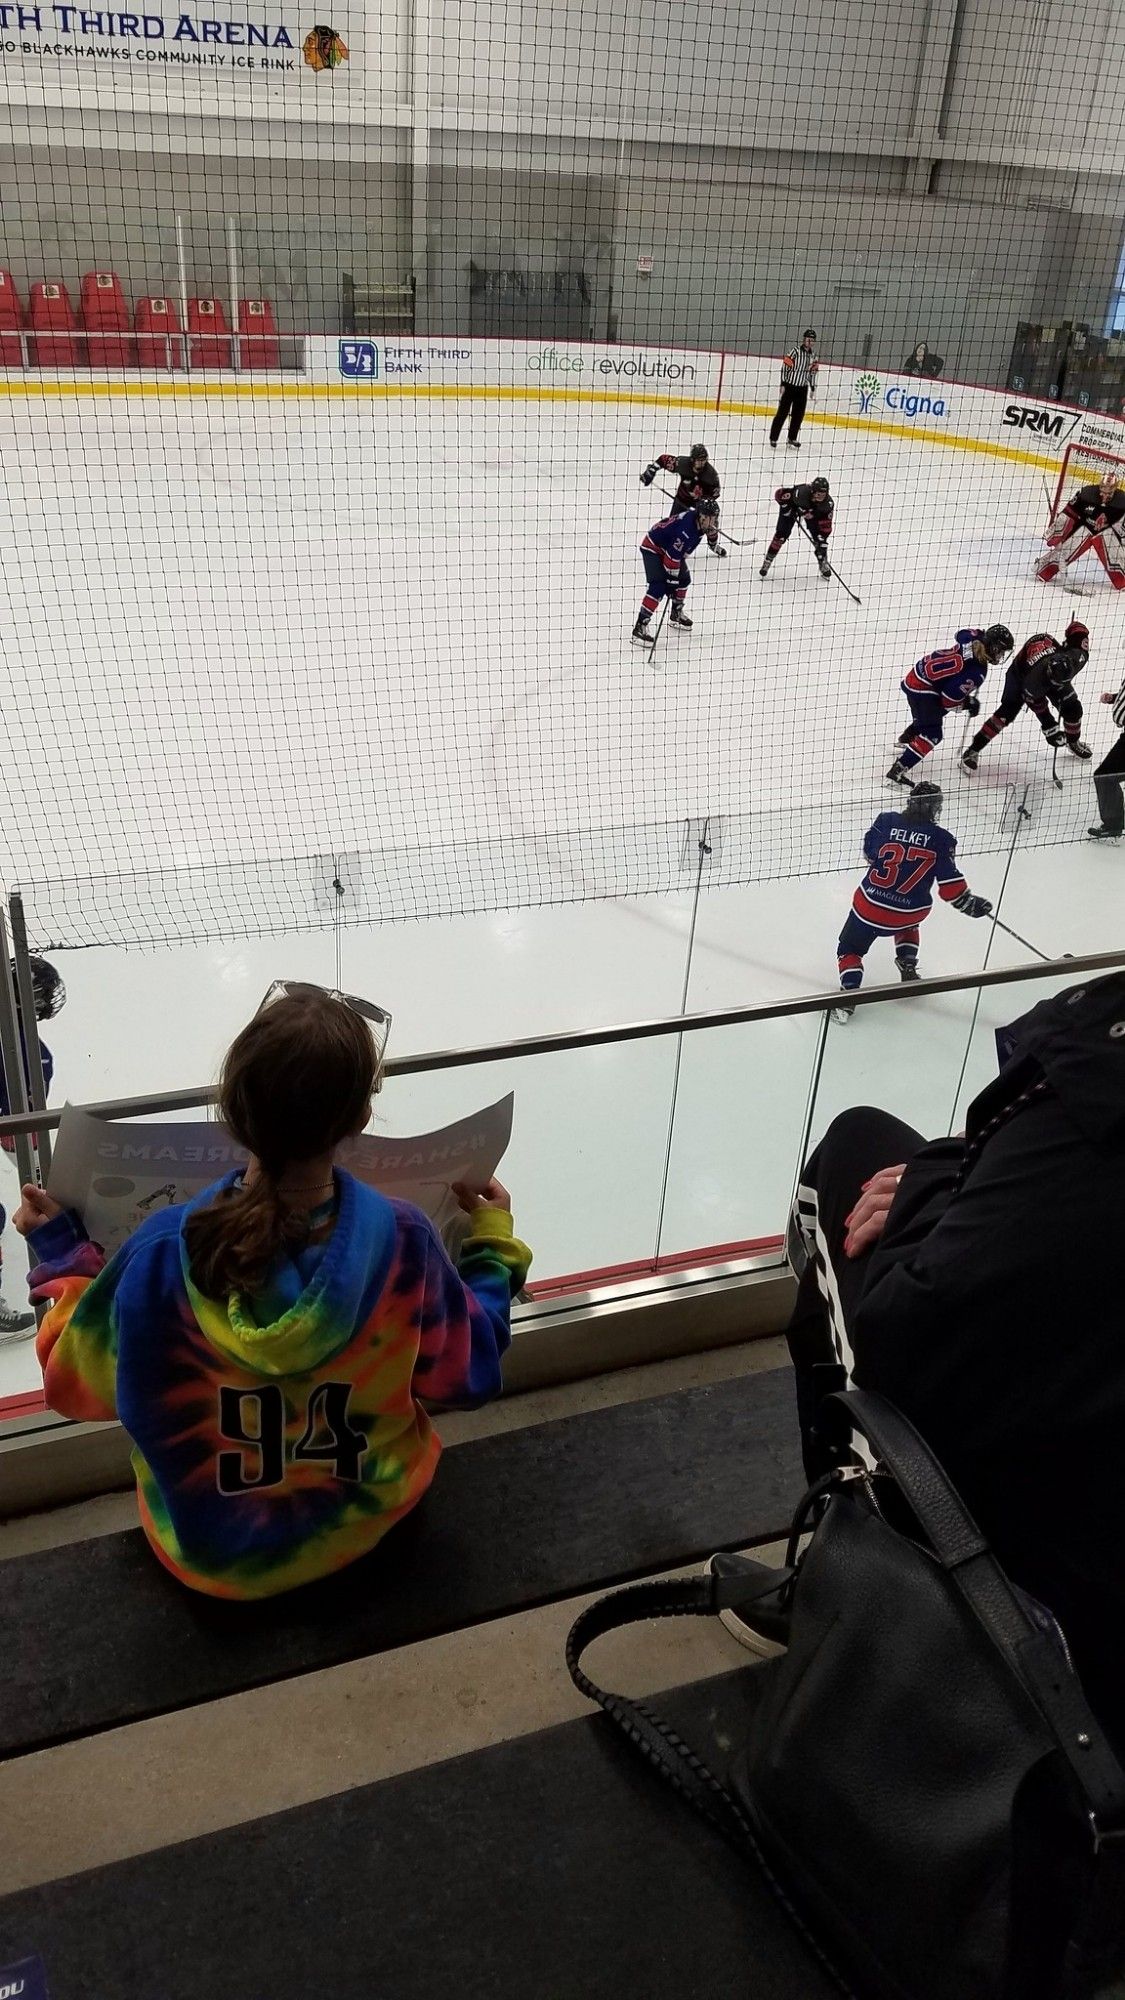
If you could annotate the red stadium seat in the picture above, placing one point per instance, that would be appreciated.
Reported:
(105, 316)
(258, 344)
(208, 334)
(11, 319)
(158, 333)
(50, 316)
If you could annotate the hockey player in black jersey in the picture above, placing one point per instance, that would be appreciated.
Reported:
(814, 507)
(698, 481)
(1041, 677)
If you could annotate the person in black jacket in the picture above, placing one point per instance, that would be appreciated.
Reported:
(975, 1282)
(923, 361)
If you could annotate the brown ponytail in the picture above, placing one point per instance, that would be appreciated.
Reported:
(295, 1082)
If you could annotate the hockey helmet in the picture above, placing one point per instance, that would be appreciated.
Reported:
(809, 333)
(924, 802)
(697, 452)
(998, 643)
(1077, 634)
(819, 484)
(707, 509)
(49, 990)
(1109, 481)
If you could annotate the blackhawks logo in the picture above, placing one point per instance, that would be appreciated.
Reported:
(323, 48)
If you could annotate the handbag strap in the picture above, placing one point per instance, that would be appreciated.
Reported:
(675, 1760)
(963, 1552)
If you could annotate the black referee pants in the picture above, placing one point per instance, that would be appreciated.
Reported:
(830, 1285)
(1108, 781)
(792, 405)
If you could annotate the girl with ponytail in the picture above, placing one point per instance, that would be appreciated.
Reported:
(267, 1345)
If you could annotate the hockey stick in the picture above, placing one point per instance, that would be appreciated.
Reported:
(1034, 949)
(659, 627)
(1055, 779)
(722, 531)
(834, 572)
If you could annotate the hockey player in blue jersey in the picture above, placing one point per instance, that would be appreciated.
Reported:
(907, 852)
(664, 553)
(942, 681)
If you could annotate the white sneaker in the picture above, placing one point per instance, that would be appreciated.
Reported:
(14, 1323)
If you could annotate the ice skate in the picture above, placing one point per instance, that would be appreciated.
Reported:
(970, 759)
(641, 631)
(897, 776)
(680, 618)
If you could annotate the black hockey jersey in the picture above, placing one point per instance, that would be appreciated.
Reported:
(815, 510)
(1088, 507)
(697, 482)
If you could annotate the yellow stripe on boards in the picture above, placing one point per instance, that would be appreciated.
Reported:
(18, 386)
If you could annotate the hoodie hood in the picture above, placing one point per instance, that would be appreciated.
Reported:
(1077, 1038)
(326, 1308)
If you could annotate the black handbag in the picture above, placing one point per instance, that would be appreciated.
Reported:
(922, 1780)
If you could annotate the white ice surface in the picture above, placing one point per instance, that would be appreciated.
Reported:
(279, 628)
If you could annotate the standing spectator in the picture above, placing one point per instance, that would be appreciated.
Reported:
(1110, 777)
(923, 361)
(50, 997)
(272, 1346)
(798, 382)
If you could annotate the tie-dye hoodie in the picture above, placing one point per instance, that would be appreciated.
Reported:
(268, 1455)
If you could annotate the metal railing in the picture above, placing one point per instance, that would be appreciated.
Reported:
(159, 1103)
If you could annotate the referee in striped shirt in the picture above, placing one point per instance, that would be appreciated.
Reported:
(798, 382)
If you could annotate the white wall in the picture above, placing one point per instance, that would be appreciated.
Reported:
(884, 171)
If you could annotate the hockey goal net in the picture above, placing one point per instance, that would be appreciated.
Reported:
(1085, 465)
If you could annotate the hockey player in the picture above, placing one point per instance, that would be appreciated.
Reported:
(942, 681)
(1096, 514)
(1041, 673)
(907, 853)
(698, 481)
(664, 552)
(50, 996)
(812, 505)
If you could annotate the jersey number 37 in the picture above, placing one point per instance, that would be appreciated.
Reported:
(893, 858)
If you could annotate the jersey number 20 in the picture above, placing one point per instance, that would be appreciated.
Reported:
(341, 1446)
(894, 857)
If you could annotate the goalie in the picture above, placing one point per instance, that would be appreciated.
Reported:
(1093, 519)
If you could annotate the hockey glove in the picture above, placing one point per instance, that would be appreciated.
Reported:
(971, 705)
(970, 905)
(1056, 737)
(716, 548)
(649, 474)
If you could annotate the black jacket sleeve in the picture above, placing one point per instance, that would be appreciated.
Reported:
(966, 1293)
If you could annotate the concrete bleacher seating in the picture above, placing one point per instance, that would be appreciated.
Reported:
(105, 316)
(513, 1521)
(549, 1865)
(554, 1867)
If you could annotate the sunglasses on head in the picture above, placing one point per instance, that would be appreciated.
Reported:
(295, 989)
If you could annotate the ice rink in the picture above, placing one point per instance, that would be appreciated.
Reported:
(260, 629)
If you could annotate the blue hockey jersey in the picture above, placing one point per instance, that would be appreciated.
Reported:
(951, 672)
(907, 858)
(672, 540)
